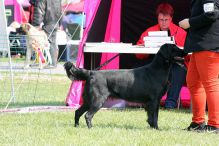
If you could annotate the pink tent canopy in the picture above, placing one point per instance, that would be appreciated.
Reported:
(17, 9)
(75, 92)
(103, 23)
(112, 33)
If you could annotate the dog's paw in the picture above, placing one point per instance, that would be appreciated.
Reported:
(68, 65)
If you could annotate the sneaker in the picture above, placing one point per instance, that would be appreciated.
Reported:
(196, 127)
(211, 129)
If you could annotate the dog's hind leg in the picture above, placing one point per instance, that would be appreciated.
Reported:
(96, 105)
(89, 115)
(79, 112)
(152, 108)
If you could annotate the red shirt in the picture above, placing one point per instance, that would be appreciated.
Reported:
(178, 33)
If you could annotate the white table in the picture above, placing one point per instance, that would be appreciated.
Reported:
(116, 48)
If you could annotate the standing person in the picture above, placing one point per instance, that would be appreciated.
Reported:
(47, 13)
(164, 13)
(203, 71)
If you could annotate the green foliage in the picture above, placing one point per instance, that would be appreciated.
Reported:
(125, 127)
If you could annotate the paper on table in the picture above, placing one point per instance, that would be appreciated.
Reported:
(158, 33)
(157, 39)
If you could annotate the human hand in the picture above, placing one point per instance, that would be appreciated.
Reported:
(184, 23)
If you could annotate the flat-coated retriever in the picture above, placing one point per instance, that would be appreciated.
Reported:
(146, 84)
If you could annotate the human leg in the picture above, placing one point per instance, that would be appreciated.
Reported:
(177, 79)
(208, 66)
(28, 55)
(197, 92)
(53, 48)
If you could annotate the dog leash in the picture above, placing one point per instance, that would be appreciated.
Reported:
(106, 62)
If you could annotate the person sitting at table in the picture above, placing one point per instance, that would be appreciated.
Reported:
(164, 13)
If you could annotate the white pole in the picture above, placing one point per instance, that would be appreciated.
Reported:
(5, 41)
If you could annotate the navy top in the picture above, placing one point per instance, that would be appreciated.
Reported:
(203, 33)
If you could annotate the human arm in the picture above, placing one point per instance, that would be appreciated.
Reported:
(180, 37)
(209, 15)
(39, 12)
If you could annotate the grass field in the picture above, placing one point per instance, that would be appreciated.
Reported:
(31, 89)
(114, 127)
(125, 127)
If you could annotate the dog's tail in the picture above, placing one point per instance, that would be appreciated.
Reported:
(75, 73)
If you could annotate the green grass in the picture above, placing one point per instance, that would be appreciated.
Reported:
(5, 59)
(32, 89)
(126, 127)
(19, 60)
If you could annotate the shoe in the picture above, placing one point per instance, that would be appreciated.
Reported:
(211, 129)
(49, 67)
(196, 127)
(169, 108)
(34, 65)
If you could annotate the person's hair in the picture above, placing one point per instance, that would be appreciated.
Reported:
(165, 8)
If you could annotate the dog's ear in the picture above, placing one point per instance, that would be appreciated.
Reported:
(166, 50)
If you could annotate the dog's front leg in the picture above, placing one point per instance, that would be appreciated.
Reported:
(152, 112)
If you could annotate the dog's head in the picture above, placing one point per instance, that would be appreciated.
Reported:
(25, 27)
(68, 66)
(172, 53)
(20, 31)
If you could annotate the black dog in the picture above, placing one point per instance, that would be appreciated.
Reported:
(145, 84)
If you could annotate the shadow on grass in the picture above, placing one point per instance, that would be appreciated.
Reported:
(107, 126)
(181, 110)
(115, 125)
(28, 104)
